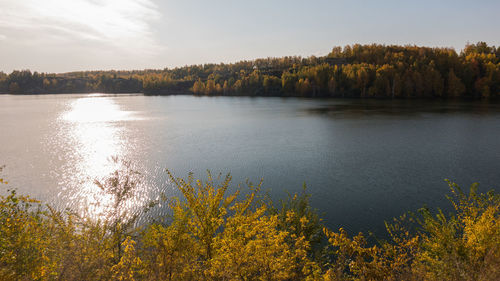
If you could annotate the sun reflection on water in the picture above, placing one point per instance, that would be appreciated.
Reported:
(95, 132)
(94, 109)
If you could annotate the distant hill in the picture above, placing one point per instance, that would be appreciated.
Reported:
(352, 71)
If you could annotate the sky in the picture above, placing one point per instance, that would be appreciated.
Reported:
(73, 35)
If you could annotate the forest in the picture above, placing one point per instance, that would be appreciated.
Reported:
(215, 234)
(354, 71)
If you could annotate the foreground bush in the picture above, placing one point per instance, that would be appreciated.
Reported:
(463, 246)
(213, 235)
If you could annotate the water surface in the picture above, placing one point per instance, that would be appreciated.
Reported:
(364, 161)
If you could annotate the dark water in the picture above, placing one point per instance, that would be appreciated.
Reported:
(364, 161)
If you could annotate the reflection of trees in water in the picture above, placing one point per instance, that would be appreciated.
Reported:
(356, 108)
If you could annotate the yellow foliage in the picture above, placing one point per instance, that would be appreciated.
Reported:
(129, 266)
(252, 248)
(214, 236)
(465, 246)
(171, 253)
(24, 243)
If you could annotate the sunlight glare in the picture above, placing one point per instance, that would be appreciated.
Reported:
(95, 130)
(95, 109)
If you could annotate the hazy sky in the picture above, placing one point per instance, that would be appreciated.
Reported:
(68, 35)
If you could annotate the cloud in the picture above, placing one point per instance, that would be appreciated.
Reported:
(122, 25)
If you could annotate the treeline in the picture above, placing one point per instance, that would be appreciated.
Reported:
(213, 235)
(352, 71)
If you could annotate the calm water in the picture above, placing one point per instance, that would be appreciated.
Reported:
(363, 161)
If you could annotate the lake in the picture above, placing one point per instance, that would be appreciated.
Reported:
(364, 161)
